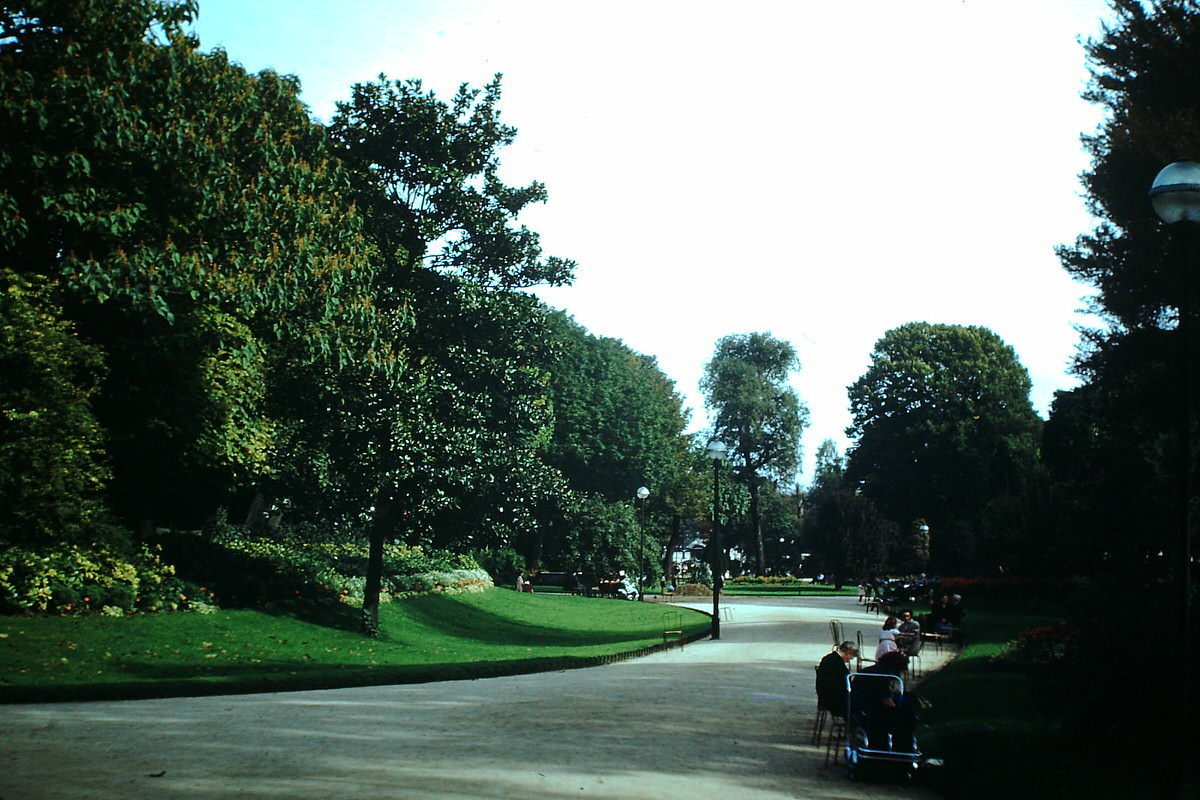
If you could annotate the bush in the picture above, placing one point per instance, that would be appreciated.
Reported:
(693, 590)
(74, 579)
(1051, 588)
(501, 564)
(1042, 646)
(303, 565)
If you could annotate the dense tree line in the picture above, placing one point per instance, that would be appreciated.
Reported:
(214, 305)
(950, 467)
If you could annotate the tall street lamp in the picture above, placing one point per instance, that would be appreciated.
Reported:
(717, 453)
(642, 494)
(1175, 195)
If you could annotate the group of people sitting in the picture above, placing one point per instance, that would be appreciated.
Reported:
(899, 634)
(875, 706)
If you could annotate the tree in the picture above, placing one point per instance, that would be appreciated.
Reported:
(943, 426)
(745, 384)
(459, 439)
(427, 172)
(851, 536)
(1112, 442)
(618, 420)
(1115, 446)
(618, 424)
(198, 227)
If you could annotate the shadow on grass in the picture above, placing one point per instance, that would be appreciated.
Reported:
(326, 613)
(290, 676)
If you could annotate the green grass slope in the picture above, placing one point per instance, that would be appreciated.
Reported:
(433, 637)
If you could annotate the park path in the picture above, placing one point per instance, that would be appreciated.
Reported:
(726, 719)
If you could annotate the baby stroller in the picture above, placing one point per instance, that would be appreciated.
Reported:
(880, 724)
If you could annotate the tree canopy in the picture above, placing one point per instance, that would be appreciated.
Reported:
(942, 425)
(757, 413)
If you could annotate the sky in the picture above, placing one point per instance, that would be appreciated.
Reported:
(822, 171)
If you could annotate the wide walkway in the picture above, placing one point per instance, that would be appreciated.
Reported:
(716, 719)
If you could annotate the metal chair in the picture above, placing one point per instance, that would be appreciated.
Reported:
(861, 658)
(833, 744)
(914, 658)
(672, 625)
(836, 632)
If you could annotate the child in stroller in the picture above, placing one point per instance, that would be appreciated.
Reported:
(882, 717)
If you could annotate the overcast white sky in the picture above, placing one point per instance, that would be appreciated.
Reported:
(822, 171)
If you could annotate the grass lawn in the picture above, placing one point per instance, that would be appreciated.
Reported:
(434, 637)
(989, 722)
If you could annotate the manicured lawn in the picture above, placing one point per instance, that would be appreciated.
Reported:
(433, 637)
(991, 722)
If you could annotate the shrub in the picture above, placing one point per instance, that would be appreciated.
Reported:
(1016, 587)
(501, 564)
(458, 581)
(253, 568)
(693, 590)
(73, 579)
(1042, 646)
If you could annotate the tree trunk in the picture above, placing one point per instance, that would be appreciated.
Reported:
(370, 609)
(380, 527)
(756, 521)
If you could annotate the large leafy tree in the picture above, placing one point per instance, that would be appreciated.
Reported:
(943, 426)
(618, 424)
(757, 413)
(1112, 444)
(428, 177)
(1113, 440)
(198, 227)
(618, 421)
(459, 438)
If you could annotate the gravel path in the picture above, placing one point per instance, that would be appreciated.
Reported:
(723, 719)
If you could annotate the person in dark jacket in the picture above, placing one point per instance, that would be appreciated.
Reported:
(831, 679)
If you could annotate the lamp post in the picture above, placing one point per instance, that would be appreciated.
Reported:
(1175, 195)
(716, 453)
(642, 494)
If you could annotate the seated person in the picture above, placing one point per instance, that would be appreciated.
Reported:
(908, 633)
(887, 636)
(888, 718)
(946, 615)
(831, 679)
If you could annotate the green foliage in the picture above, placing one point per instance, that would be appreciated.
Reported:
(427, 171)
(943, 427)
(309, 564)
(756, 413)
(467, 463)
(501, 564)
(618, 420)
(1111, 443)
(62, 578)
(598, 538)
(52, 467)
(850, 535)
(199, 228)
